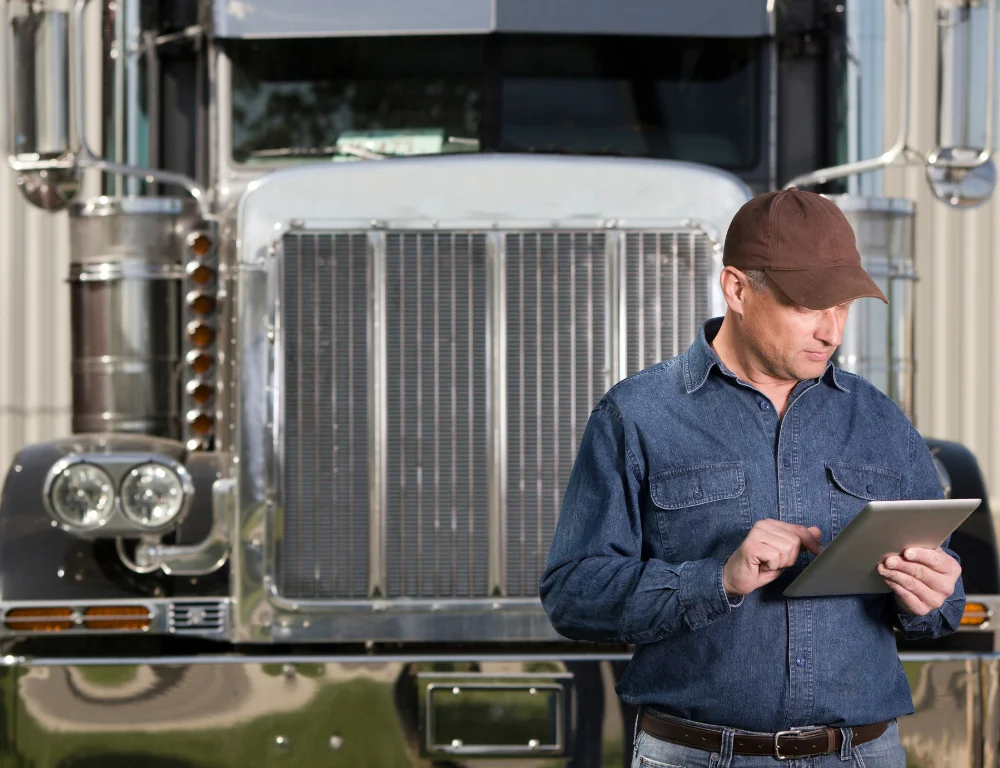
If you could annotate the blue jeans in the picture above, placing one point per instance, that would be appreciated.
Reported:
(883, 752)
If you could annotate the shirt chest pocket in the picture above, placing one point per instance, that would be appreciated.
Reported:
(852, 486)
(700, 510)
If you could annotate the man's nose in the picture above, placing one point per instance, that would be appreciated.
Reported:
(831, 328)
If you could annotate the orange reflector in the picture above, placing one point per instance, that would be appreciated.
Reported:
(39, 619)
(201, 423)
(199, 273)
(201, 335)
(976, 614)
(201, 244)
(200, 393)
(200, 362)
(201, 303)
(116, 617)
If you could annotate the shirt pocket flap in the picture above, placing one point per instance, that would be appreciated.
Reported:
(865, 482)
(701, 484)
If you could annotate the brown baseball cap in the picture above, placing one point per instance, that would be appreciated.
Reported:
(806, 246)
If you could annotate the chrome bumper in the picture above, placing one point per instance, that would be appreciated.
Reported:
(400, 711)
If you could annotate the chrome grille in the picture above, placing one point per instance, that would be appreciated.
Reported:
(557, 369)
(325, 536)
(437, 513)
(667, 284)
(197, 617)
(396, 501)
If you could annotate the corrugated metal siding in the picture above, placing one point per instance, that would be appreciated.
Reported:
(958, 315)
(34, 334)
(35, 392)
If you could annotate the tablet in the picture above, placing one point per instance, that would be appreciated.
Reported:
(847, 565)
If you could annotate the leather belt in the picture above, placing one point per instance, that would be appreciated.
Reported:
(783, 745)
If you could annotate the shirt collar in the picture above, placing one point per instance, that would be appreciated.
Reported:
(701, 358)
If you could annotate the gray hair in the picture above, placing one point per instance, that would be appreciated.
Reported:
(757, 279)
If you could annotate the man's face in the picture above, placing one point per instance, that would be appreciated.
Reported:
(791, 342)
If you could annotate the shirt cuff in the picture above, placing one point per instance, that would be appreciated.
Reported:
(911, 622)
(702, 595)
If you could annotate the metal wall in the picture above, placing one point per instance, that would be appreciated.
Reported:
(958, 314)
(35, 395)
(34, 331)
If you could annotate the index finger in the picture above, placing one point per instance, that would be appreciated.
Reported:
(805, 535)
(935, 559)
(809, 539)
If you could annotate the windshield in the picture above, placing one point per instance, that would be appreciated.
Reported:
(679, 98)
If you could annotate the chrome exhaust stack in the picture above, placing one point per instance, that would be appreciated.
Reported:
(130, 255)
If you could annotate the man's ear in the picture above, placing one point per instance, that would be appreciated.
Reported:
(735, 286)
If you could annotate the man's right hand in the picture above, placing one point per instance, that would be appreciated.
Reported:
(769, 548)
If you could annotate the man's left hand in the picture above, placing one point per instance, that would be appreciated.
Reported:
(922, 578)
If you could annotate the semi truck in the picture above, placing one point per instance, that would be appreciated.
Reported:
(354, 278)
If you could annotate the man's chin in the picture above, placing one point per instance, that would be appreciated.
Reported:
(812, 369)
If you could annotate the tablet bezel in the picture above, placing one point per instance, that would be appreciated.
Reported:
(847, 566)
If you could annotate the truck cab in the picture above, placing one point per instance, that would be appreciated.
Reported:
(356, 277)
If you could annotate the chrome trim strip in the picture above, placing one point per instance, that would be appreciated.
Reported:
(395, 658)
(124, 270)
(612, 268)
(496, 400)
(378, 479)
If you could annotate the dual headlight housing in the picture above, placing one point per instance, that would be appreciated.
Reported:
(107, 495)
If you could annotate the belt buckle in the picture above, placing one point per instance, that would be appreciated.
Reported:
(777, 749)
(792, 732)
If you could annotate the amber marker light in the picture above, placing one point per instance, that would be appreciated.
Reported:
(975, 615)
(200, 423)
(200, 334)
(131, 617)
(200, 243)
(200, 362)
(199, 273)
(201, 303)
(39, 619)
(200, 392)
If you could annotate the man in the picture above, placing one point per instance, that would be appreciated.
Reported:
(702, 487)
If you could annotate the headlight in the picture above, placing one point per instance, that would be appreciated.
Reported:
(82, 496)
(152, 495)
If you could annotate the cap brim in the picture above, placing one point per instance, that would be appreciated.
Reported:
(824, 287)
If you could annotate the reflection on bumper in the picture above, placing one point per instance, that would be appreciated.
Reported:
(396, 711)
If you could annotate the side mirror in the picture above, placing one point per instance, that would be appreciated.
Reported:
(40, 145)
(960, 170)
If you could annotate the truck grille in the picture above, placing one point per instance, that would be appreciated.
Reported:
(518, 327)
(325, 492)
(557, 369)
(437, 512)
(666, 293)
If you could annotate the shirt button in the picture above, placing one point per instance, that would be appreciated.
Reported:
(764, 405)
(697, 493)
(869, 489)
(786, 461)
(800, 661)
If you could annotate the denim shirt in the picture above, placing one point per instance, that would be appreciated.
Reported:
(676, 464)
